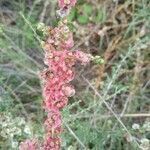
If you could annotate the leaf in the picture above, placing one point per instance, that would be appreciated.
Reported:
(87, 9)
(83, 19)
(100, 16)
(72, 15)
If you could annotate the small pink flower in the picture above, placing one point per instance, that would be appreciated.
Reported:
(53, 123)
(47, 75)
(82, 57)
(57, 104)
(68, 3)
(51, 143)
(48, 47)
(61, 103)
(29, 145)
(68, 90)
(68, 43)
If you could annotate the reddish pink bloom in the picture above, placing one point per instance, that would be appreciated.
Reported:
(68, 3)
(56, 80)
(56, 87)
(69, 76)
(53, 123)
(68, 43)
(51, 143)
(29, 145)
(61, 103)
(68, 90)
(58, 104)
(61, 38)
(82, 57)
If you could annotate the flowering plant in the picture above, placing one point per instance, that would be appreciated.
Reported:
(56, 78)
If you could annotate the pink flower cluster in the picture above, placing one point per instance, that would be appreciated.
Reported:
(57, 76)
(60, 61)
(56, 83)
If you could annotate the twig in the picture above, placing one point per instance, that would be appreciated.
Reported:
(29, 24)
(111, 116)
(19, 101)
(21, 52)
(44, 10)
(74, 135)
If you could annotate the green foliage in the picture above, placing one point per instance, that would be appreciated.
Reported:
(6, 103)
(87, 13)
(72, 15)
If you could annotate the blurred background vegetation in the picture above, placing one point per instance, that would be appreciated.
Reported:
(111, 108)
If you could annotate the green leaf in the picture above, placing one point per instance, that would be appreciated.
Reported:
(87, 9)
(83, 19)
(100, 16)
(72, 15)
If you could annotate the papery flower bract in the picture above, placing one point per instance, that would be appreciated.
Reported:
(66, 3)
(82, 57)
(53, 122)
(29, 145)
(58, 104)
(68, 90)
(51, 143)
(48, 47)
(69, 43)
(61, 38)
(61, 103)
